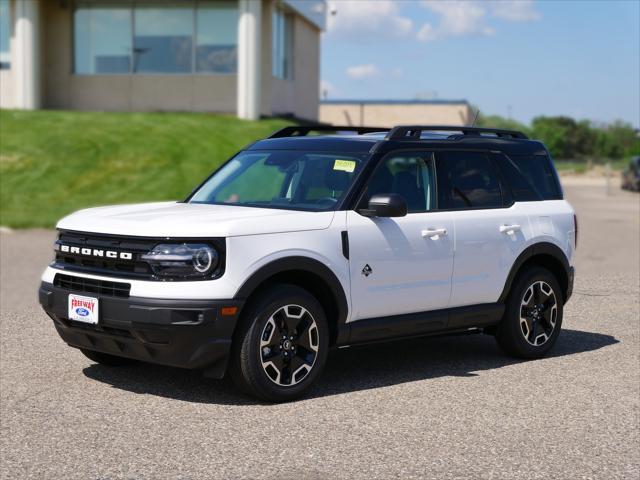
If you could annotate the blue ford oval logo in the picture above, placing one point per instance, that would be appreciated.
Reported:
(83, 312)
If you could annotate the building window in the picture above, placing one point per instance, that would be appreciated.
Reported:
(102, 38)
(282, 44)
(157, 38)
(5, 35)
(163, 39)
(217, 37)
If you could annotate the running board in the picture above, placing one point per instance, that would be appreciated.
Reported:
(451, 320)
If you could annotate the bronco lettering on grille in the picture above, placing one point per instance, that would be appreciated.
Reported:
(94, 252)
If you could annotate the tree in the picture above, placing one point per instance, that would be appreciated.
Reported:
(496, 121)
(568, 139)
(555, 133)
(624, 138)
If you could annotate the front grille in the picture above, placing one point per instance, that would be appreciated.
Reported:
(134, 268)
(70, 245)
(90, 285)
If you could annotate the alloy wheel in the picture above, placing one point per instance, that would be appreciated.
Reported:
(289, 345)
(538, 313)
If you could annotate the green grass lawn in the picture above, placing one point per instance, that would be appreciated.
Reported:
(52, 163)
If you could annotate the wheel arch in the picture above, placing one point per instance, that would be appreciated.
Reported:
(307, 273)
(546, 255)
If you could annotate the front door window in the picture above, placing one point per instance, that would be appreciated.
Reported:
(409, 175)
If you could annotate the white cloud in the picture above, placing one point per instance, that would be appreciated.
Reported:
(363, 19)
(515, 10)
(427, 33)
(459, 18)
(358, 72)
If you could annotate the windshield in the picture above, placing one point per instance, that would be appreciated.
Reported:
(287, 179)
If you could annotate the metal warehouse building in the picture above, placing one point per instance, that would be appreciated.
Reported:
(387, 113)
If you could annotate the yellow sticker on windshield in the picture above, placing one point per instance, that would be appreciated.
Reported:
(345, 165)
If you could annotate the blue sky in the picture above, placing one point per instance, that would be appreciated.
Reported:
(549, 57)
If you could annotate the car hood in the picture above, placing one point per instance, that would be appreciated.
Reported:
(173, 219)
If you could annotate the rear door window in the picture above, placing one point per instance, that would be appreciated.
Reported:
(467, 180)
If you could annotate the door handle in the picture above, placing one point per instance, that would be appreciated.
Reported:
(434, 233)
(510, 229)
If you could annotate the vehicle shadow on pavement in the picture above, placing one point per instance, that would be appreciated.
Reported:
(350, 369)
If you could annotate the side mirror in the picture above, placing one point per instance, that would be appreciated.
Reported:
(385, 205)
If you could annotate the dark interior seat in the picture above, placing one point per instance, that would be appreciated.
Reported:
(406, 184)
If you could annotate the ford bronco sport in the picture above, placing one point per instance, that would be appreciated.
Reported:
(303, 242)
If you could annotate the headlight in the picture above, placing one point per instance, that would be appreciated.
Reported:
(183, 260)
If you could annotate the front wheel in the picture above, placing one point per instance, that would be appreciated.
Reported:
(533, 315)
(281, 345)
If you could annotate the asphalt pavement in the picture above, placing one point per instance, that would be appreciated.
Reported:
(438, 408)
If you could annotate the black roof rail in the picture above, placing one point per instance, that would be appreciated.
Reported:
(413, 132)
(301, 131)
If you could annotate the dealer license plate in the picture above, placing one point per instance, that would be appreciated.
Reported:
(83, 309)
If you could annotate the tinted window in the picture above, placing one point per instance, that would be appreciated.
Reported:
(5, 34)
(537, 169)
(162, 42)
(217, 37)
(181, 37)
(102, 38)
(409, 175)
(281, 44)
(469, 181)
(515, 182)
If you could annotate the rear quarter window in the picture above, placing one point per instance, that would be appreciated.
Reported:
(539, 173)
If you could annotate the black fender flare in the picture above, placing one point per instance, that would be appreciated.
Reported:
(298, 263)
(543, 248)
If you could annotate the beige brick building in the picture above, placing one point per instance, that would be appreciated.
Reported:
(388, 113)
(249, 57)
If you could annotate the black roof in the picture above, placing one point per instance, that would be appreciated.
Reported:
(370, 139)
(327, 143)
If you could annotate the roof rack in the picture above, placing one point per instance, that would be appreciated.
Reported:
(301, 131)
(413, 132)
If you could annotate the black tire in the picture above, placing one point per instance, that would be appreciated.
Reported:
(106, 359)
(530, 329)
(258, 364)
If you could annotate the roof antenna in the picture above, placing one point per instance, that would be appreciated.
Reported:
(473, 124)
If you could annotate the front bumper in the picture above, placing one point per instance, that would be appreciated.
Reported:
(181, 333)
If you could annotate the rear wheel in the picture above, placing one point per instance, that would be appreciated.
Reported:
(106, 359)
(281, 345)
(533, 315)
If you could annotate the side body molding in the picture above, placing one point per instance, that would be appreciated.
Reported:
(543, 248)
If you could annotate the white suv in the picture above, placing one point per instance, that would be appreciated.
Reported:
(301, 243)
